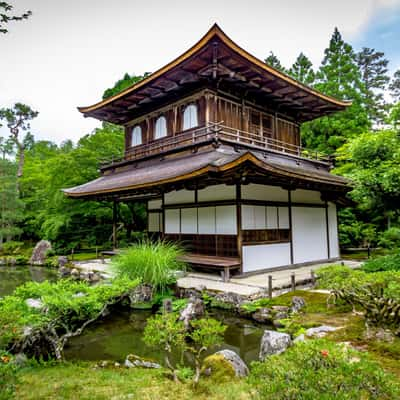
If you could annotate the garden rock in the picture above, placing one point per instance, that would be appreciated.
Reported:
(64, 272)
(273, 342)
(142, 294)
(320, 331)
(39, 252)
(193, 310)
(277, 309)
(75, 273)
(20, 360)
(263, 315)
(62, 261)
(297, 304)
(34, 303)
(133, 361)
(237, 363)
(300, 338)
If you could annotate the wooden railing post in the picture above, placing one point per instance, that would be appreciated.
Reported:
(270, 286)
(293, 281)
(313, 280)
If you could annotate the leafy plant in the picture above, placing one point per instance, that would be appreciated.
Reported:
(154, 263)
(322, 369)
(390, 262)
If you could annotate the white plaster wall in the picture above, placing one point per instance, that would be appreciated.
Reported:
(309, 234)
(189, 220)
(217, 192)
(226, 220)
(265, 256)
(172, 221)
(253, 217)
(179, 197)
(272, 217)
(306, 196)
(333, 232)
(154, 222)
(283, 213)
(255, 191)
(206, 220)
(154, 204)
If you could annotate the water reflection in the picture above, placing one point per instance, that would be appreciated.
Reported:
(11, 277)
(121, 333)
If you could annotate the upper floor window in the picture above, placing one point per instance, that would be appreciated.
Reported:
(136, 138)
(161, 127)
(190, 119)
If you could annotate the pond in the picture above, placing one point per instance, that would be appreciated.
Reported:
(11, 277)
(121, 333)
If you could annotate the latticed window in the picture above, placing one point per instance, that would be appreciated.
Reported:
(136, 138)
(161, 127)
(190, 119)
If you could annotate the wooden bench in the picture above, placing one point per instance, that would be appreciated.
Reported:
(222, 264)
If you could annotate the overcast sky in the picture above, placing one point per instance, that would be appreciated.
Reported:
(68, 52)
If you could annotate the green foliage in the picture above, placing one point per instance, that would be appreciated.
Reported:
(390, 239)
(122, 84)
(12, 247)
(273, 61)
(321, 369)
(154, 263)
(221, 369)
(373, 164)
(65, 303)
(255, 305)
(8, 376)
(302, 70)
(179, 304)
(340, 77)
(6, 16)
(207, 332)
(386, 263)
(394, 86)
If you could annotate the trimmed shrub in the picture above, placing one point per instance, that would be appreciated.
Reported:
(322, 370)
(390, 262)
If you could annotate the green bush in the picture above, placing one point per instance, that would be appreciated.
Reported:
(66, 304)
(154, 263)
(390, 239)
(390, 262)
(322, 370)
(11, 247)
(8, 376)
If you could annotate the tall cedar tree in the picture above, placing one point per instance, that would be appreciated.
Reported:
(338, 76)
(302, 70)
(394, 86)
(6, 16)
(273, 61)
(373, 67)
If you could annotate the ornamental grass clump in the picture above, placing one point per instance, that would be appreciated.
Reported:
(154, 263)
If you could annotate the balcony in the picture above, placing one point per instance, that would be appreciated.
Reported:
(216, 133)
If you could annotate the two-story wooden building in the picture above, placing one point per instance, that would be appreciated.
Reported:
(212, 142)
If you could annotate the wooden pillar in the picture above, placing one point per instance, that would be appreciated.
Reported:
(114, 231)
(290, 226)
(239, 223)
(327, 229)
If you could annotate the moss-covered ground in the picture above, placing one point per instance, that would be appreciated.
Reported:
(85, 381)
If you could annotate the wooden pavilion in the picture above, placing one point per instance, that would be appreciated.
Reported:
(212, 143)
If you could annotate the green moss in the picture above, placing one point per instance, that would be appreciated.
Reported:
(217, 368)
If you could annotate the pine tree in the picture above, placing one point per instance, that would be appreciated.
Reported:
(394, 86)
(302, 70)
(273, 61)
(373, 67)
(338, 76)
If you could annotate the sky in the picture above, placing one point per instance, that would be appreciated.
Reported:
(69, 52)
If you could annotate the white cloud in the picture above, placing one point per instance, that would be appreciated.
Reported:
(68, 52)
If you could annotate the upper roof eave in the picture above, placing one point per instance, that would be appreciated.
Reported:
(215, 31)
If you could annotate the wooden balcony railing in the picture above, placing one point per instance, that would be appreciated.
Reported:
(219, 133)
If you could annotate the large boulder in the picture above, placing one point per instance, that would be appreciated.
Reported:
(39, 252)
(34, 303)
(237, 363)
(193, 310)
(223, 366)
(142, 296)
(273, 342)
